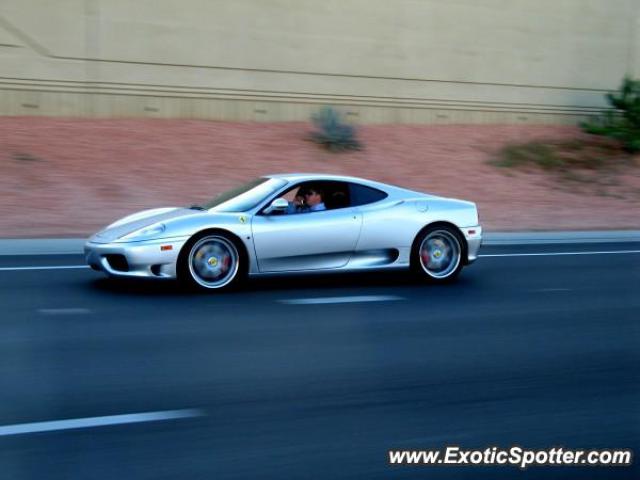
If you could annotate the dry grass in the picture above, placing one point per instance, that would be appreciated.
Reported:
(589, 165)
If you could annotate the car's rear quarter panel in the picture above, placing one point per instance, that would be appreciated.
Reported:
(396, 223)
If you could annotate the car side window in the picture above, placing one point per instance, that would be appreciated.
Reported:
(319, 195)
(332, 194)
(362, 195)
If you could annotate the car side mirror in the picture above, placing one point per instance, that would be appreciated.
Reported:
(278, 205)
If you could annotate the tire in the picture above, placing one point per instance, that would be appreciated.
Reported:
(437, 254)
(212, 261)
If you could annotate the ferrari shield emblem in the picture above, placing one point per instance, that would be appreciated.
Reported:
(242, 219)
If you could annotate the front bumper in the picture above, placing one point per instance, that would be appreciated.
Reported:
(145, 259)
(473, 236)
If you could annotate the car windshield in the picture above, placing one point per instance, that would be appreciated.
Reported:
(246, 196)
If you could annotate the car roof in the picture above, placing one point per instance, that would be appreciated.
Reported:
(390, 189)
(298, 177)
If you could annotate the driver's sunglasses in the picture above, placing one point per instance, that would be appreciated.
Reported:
(308, 193)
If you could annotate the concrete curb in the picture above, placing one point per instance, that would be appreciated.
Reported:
(73, 246)
(546, 238)
(42, 246)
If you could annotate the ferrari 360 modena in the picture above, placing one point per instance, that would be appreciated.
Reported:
(292, 223)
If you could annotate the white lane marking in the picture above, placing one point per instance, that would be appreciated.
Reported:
(90, 422)
(550, 254)
(353, 299)
(48, 267)
(64, 311)
(29, 254)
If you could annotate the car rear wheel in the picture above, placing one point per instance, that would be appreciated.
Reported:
(437, 254)
(211, 262)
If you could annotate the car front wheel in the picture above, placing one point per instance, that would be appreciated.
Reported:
(211, 262)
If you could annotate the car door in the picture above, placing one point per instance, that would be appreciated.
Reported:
(306, 241)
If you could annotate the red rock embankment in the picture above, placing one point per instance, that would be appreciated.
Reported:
(67, 177)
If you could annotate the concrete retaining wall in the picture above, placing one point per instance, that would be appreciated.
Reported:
(406, 61)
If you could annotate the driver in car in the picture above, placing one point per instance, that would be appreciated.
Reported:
(307, 199)
(314, 198)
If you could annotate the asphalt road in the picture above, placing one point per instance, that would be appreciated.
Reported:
(537, 350)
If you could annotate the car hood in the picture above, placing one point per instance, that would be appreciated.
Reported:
(139, 220)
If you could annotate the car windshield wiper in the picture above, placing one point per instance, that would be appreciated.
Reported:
(195, 206)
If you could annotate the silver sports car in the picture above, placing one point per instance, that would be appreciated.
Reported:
(292, 223)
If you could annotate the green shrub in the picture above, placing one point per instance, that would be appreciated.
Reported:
(332, 132)
(622, 121)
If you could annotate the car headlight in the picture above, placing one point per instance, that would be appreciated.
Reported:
(146, 232)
